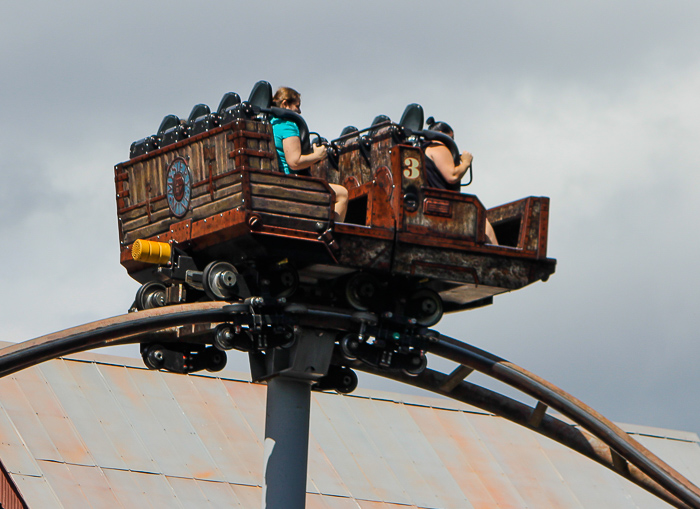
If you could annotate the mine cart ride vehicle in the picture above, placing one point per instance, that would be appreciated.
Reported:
(204, 214)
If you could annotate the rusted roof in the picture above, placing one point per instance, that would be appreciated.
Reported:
(93, 430)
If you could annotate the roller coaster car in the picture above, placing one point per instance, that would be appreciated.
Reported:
(209, 216)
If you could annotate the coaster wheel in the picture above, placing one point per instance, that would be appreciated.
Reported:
(416, 364)
(154, 357)
(215, 359)
(425, 306)
(346, 380)
(349, 346)
(150, 295)
(362, 291)
(284, 281)
(220, 280)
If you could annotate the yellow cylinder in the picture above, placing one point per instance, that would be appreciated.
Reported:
(149, 251)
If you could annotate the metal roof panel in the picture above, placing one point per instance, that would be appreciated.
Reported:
(100, 385)
(36, 491)
(232, 443)
(95, 487)
(341, 458)
(174, 424)
(126, 488)
(135, 404)
(65, 486)
(15, 457)
(25, 420)
(220, 495)
(188, 492)
(60, 376)
(359, 441)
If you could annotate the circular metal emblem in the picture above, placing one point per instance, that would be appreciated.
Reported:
(179, 187)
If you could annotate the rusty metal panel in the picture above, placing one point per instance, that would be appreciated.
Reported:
(94, 486)
(331, 502)
(157, 491)
(524, 464)
(322, 478)
(250, 400)
(126, 488)
(59, 376)
(489, 481)
(218, 436)
(188, 492)
(25, 420)
(220, 495)
(248, 496)
(415, 463)
(10, 497)
(158, 453)
(449, 450)
(36, 492)
(177, 439)
(239, 454)
(13, 455)
(100, 385)
(335, 449)
(683, 456)
(586, 479)
(385, 437)
(365, 452)
(64, 484)
(53, 417)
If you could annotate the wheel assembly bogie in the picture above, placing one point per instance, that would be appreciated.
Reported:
(182, 357)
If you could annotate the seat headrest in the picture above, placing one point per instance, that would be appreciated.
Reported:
(199, 110)
(229, 99)
(168, 122)
(412, 118)
(380, 119)
(446, 140)
(286, 114)
(261, 95)
(348, 130)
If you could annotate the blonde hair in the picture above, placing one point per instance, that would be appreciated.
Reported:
(285, 94)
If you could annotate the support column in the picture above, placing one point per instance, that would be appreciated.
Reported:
(286, 443)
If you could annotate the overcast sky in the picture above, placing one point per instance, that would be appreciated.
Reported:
(593, 104)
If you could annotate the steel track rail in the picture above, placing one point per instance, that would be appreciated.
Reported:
(603, 442)
(628, 449)
(111, 331)
(572, 437)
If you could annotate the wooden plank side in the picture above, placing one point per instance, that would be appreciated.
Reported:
(280, 179)
(294, 223)
(288, 207)
(296, 195)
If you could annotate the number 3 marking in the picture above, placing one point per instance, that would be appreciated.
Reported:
(412, 169)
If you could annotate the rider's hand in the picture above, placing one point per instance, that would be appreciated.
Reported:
(320, 152)
(466, 158)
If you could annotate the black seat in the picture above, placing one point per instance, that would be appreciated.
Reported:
(286, 114)
(261, 95)
(171, 130)
(199, 110)
(144, 145)
(229, 100)
(201, 119)
(349, 130)
(412, 118)
(168, 122)
(230, 108)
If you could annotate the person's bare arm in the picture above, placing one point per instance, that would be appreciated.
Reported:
(442, 157)
(298, 161)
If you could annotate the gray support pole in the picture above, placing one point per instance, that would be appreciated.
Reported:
(286, 443)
